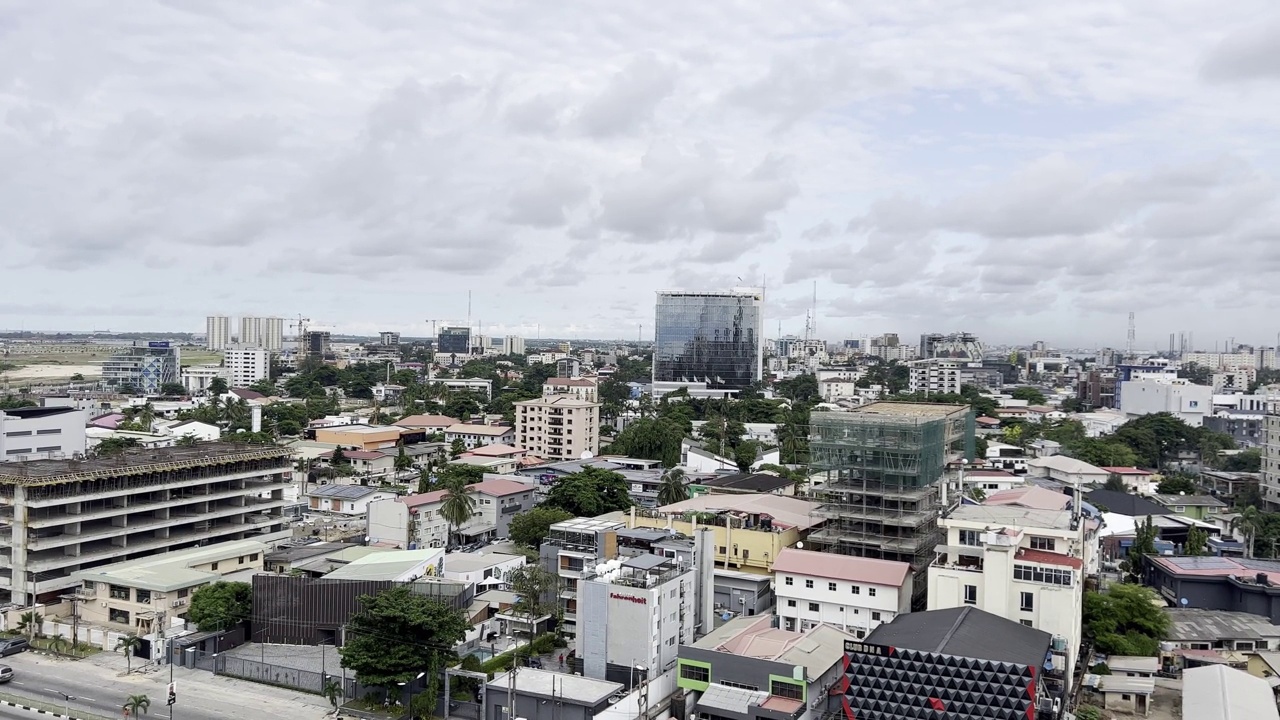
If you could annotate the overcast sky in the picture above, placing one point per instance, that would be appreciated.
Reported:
(1020, 170)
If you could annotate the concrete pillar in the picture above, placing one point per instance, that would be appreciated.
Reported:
(21, 586)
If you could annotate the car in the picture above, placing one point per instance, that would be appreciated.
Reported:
(12, 647)
(6, 673)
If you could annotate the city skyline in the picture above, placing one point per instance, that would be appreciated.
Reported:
(1028, 178)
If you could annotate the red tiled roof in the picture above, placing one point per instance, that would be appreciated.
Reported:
(362, 454)
(571, 382)
(1126, 470)
(1044, 557)
(987, 421)
(783, 705)
(496, 487)
(989, 474)
(496, 450)
(841, 567)
(1033, 497)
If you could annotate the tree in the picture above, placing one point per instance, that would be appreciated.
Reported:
(458, 505)
(1248, 522)
(530, 527)
(1115, 483)
(1197, 542)
(403, 461)
(590, 492)
(1144, 544)
(1030, 394)
(220, 605)
(745, 454)
(128, 645)
(187, 440)
(173, 389)
(58, 644)
(1198, 374)
(1125, 620)
(1175, 484)
(652, 439)
(673, 487)
(535, 587)
(424, 479)
(397, 634)
(1244, 461)
(31, 623)
(217, 387)
(338, 458)
(113, 446)
(265, 386)
(456, 448)
(137, 704)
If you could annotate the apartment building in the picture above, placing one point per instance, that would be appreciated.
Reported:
(933, 376)
(132, 594)
(264, 332)
(143, 368)
(1186, 401)
(559, 427)
(217, 332)
(854, 594)
(411, 521)
(66, 516)
(569, 548)
(1270, 483)
(1024, 564)
(246, 364)
(41, 433)
(474, 435)
(575, 387)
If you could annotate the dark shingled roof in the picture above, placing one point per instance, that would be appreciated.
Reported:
(965, 632)
(1125, 503)
(747, 482)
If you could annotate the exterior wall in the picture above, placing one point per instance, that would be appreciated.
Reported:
(99, 599)
(379, 440)
(1188, 402)
(1270, 485)
(934, 376)
(714, 338)
(498, 570)
(197, 379)
(736, 669)
(346, 506)
(558, 430)
(856, 613)
(217, 331)
(473, 440)
(44, 437)
(749, 595)
(265, 332)
(754, 551)
(246, 365)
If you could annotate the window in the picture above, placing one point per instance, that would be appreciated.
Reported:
(970, 594)
(213, 566)
(722, 550)
(875, 615)
(1042, 543)
(831, 586)
(784, 689)
(695, 673)
(808, 584)
(183, 592)
(1179, 508)
(1026, 601)
(18, 433)
(143, 596)
(50, 431)
(856, 590)
(119, 593)
(791, 603)
(790, 580)
(871, 592)
(813, 607)
(241, 560)
(1048, 576)
(118, 616)
(1028, 623)
(743, 686)
(969, 537)
(90, 586)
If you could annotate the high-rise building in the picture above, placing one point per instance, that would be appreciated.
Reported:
(143, 368)
(316, 344)
(1271, 458)
(709, 337)
(388, 338)
(453, 341)
(512, 345)
(246, 364)
(264, 332)
(558, 427)
(217, 332)
(884, 465)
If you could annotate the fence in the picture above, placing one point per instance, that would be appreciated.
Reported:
(273, 674)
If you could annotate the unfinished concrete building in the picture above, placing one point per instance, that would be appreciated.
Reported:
(61, 516)
(884, 464)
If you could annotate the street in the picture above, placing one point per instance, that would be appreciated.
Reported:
(99, 688)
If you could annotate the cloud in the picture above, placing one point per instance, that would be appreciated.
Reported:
(630, 99)
(1250, 53)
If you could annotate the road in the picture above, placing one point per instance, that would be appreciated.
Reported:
(99, 688)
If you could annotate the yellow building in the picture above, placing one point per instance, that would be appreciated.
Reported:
(361, 437)
(750, 530)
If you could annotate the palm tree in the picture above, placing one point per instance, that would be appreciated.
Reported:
(147, 416)
(332, 692)
(31, 623)
(458, 505)
(1247, 522)
(128, 645)
(137, 704)
(57, 643)
(672, 488)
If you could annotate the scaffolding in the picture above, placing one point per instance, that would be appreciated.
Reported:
(884, 465)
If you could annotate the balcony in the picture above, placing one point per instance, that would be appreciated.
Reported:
(255, 480)
(62, 518)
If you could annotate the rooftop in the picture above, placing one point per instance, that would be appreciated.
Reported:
(359, 429)
(917, 411)
(965, 632)
(1218, 692)
(1013, 515)
(842, 567)
(1133, 663)
(1031, 496)
(390, 565)
(342, 492)
(786, 512)
(496, 450)
(1125, 503)
(1119, 470)
(469, 429)
(1197, 625)
(496, 487)
(1168, 500)
(172, 570)
(1211, 566)
(561, 686)
(31, 413)
(471, 562)
(1062, 463)
(747, 482)
(136, 462)
(426, 421)
(293, 553)
(754, 636)
(558, 401)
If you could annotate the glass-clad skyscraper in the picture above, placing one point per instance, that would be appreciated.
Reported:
(709, 337)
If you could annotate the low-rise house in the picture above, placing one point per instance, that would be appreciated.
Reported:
(544, 695)
(1196, 507)
(1030, 496)
(1133, 666)
(133, 593)
(1226, 485)
(415, 521)
(484, 570)
(1136, 480)
(285, 558)
(202, 432)
(1202, 629)
(350, 500)
(1129, 695)
(473, 436)
(991, 481)
(742, 483)
(398, 566)
(430, 423)
(359, 437)
(855, 594)
(1128, 504)
(1067, 470)
(371, 462)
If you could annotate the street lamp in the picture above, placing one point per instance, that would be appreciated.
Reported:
(408, 686)
(66, 700)
(641, 668)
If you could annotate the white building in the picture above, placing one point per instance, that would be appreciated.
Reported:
(855, 594)
(196, 379)
(415, 521)
(933, 376)
(217, 332)
(1221, 360)
(202, 432)
(1069, 470)
(1186, 401)
(246, 365)
(473, 436)
(1020, 563)
(484, 570)
(349, 500)
(42, 433)
(837, 388)
(264, 332)
(559, 427)
(1270, 484)
(578, 388)
(512, 345)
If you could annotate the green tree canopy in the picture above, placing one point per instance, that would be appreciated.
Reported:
(1125, 620)
(397, 634)
(652, 439)
(1030, 394)
(1174, 484)
(217, 387)
(220, 605)
(530, 527)
(590, 492)
(173, 389)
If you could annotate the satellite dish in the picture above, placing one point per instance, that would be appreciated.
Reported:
(799, 546)
(1184, 602)
(586, 455)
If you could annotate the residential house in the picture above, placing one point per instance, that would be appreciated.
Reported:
(201, 432)
(430, 423)
(1196, 507)
(1205, 629)
(374, 463)
(1136, 480)
(348, 500)
(991, 481)
(359, 437)
(414, 520)
(473, 435)
(855, 594)
(1067, 470)
(485, 570)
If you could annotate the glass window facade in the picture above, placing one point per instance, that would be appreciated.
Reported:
(709, 337)
(454, 341)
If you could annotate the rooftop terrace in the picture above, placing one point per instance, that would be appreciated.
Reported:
(135, 461)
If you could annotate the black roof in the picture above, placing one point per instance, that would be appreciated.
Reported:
(38, 412)
(1124, 503)
(747, 482)
(965, 632)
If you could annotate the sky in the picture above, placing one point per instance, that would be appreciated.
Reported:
(1025, 171)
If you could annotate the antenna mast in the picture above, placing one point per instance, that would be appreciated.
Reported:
(1132, 333)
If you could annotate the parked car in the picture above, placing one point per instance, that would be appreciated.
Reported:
(12, 647)
(6, 673)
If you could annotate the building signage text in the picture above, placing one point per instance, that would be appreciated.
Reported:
(630, 598)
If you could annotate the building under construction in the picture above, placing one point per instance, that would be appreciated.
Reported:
(61, 516)
(884, 464)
